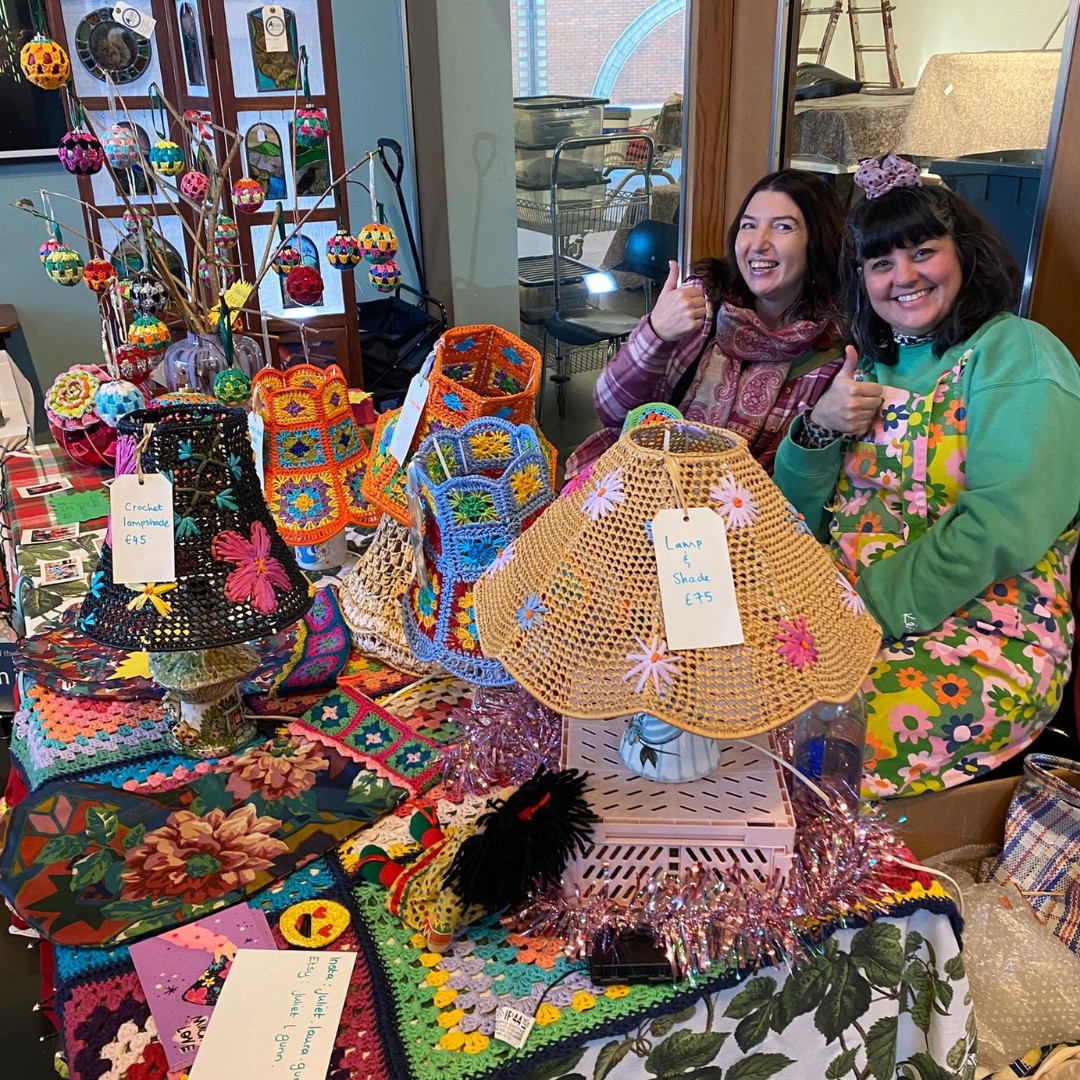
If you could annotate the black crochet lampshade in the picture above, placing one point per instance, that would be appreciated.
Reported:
(236, 580)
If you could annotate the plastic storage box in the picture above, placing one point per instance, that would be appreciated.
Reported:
(543, 122)
(536, 286)
(1004, 188)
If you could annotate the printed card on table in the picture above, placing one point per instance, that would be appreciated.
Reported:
(183, 972)
(277, 1017)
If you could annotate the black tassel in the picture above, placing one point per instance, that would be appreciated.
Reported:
(524, 842)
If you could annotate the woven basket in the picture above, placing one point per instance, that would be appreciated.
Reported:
(575, 614)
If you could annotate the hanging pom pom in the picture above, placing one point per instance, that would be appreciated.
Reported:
(148, 295)
(166, 158)
(377, 242)
(342, 250)
(305, 285)
(116, 399)
(195, 185)
(232, 386)
(99, 274)
(142, 217)
(44, 63)
(225, 232)
(248, 195)
(149, 333)
(285, 259)
(120, 146)
(312, 126)
(133, 362)
(64, 266)
(385, 276)
(524, 842)
(81, 153)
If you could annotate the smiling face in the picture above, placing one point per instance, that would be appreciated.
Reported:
(914, 288)
(770, 250)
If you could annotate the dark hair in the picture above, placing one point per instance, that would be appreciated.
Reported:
(904, 217)
(824, 217)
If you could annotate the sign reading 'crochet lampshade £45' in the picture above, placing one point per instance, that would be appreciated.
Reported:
(573, 609)
(315, 457)
(235, 580)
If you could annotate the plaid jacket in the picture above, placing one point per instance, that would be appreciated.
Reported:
(647, 368)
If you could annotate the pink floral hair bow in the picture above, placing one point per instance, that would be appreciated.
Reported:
(878, 175)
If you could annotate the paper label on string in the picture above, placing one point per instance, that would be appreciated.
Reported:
(273, 19)
(411, 410)
(512, 1026)
(697, 588)
(140, 22)
(141, 524)
(257, 433)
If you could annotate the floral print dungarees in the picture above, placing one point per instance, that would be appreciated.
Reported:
(950, 704)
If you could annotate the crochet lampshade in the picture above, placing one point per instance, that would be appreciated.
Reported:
(478, 371)
(315, 456)
(574, 613)
(476, 490)
(236, 580)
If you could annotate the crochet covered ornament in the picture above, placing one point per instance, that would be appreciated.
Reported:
(139, 217)
(385, 276)
(312, 126)
(148, 294)
(225, 232)
(121, 149)
(99, 274)
(195, 185)
(342, 250)
(149, 333)
(64, 266)
(247, 195)
(166, 158)
(134, 362)
(81, 153)
(117, 398)
(377, 242)
(304, 284)
(521, 844)
(45, 63)
(285, 259)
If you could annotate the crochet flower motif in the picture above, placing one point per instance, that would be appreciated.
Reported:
(796, 643)
(279, 769)
(257, 573)
(424, 607)
(607, 494)
(526, 484)
(652, 665)
(504, 558)
(489, 444)
(151, 592)
(70, 400)
(200, 857)
(531, 613)
(465, 624)
(849, 597)
(735, 504)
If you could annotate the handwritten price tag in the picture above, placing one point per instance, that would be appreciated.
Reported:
(410, 414)
(697, 590)
(141, 524)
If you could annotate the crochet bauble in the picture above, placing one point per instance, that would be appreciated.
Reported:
(284, 259)
(99, 274)
(385, 276)
(133, 362)
(64, 266)
(232, 386)
(342, 250)
(81, 153)
(148, 294)
(304, 284)
(149, 333)
(117, 398)
(377, 242)
(312, 127)
(225, 232)
(247, 195)
(45, 63)
(195, 185)
(166, 158)
(138, 216)
(120, 146)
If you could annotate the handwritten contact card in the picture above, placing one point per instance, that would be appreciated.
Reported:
(697, 589)
(277, 1016)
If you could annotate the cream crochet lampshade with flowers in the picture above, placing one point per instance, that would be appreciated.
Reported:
(573, 610)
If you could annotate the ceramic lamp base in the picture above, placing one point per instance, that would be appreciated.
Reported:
(329, 555)
(658, 751)
(209, 729)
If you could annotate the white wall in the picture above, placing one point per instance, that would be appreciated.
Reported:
(925, 27)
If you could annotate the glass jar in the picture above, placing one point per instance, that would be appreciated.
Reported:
(828, 744)
(192, 362)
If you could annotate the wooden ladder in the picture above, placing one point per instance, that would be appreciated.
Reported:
(885, 9)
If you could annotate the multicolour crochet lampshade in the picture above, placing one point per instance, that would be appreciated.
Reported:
(476, 489)
(575, 615)
(478, 371)
(315, 456)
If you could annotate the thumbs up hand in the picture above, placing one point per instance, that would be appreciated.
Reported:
(850, 404)
(680, 309)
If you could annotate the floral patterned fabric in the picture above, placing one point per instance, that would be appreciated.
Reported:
(951, 704)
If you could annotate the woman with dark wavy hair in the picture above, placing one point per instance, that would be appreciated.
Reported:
(750, 340)
(947, 483)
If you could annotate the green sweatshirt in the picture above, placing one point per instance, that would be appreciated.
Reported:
(1021, 388)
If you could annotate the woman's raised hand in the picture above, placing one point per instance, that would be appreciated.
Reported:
(680, 309)
(850, 404)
